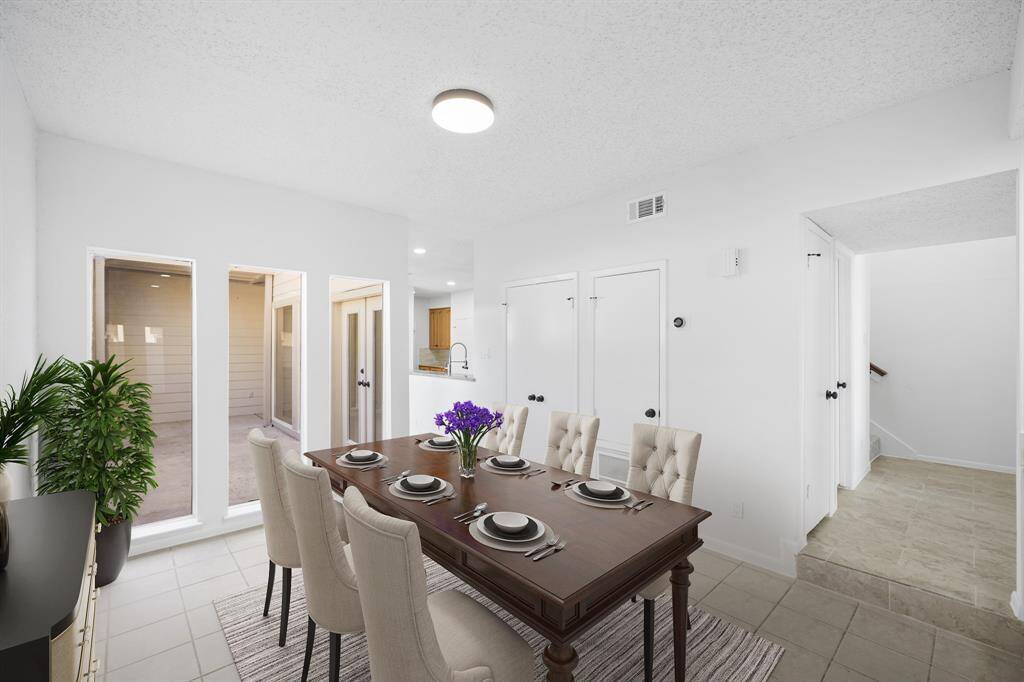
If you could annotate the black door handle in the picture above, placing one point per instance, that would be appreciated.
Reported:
(840, 384)
(531, 397)
(831, 395)
(540, 398)
(650, 413)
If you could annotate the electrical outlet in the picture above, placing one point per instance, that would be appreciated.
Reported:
(737, 510)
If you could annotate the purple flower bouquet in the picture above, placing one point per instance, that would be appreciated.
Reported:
(467, 423)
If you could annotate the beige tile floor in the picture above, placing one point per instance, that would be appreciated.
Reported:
(157, 622)
(173, 454)
(941, 528)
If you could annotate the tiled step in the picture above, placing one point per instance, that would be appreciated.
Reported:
(1001, 631)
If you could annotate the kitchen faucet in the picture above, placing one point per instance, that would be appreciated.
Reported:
(465, 357)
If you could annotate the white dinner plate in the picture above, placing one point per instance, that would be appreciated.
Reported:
(360, 462)
(593, 498)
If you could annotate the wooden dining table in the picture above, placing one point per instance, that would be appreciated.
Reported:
(610, 554)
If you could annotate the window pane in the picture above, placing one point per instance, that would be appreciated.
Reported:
(283, 364)
(146, 318)
(378, 374)
(249, 374)
(353, 376)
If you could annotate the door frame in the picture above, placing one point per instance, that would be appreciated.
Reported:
(531, 281)
(295, 301)
(807, 225)
(661, 266)
(844, 321)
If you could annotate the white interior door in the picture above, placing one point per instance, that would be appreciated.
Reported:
(844, 368)
(358, 375)
(819, 376)
(627, 336)
(541, 354)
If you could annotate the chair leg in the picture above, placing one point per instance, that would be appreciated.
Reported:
(270, 590)
(648, 639)
(334, 669)
(687, 619)
(310, 634)
(286, 600)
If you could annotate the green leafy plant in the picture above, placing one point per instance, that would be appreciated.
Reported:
(23, 410)
(101, 439)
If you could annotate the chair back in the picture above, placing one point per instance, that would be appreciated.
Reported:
(332, 595)
(507, 438)
(393, 590)
(571, 441)
(267, 456)
(663, 461)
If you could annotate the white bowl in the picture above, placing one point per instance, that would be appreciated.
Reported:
(601, 487)
(507, 460)
(510, 522)
(420, 481)
(361, 455)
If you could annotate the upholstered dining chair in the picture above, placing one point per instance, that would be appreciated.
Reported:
(571, 441)
(507, 438)
(663, 463)
(282, 547)
(415, 637)
(332, 596)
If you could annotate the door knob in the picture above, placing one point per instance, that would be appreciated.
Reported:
(831, 395)
(540, 399)
(840, 384)
(531, 397)
(650, 413)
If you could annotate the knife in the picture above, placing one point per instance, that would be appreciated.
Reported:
(548, 552)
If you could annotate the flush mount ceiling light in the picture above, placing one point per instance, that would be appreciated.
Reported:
(463, 111)
(419, 251)
(450, 283)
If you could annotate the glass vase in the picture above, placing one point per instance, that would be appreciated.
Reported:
(467, 460)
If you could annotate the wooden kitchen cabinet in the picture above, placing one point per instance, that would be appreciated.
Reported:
(440, 328)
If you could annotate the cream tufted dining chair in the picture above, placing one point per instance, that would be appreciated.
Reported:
(417, 637)
(282, 547)
(571, 441)
(663, 463)
(507, 438)
(332, 596)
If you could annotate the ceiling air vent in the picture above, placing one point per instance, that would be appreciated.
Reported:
(647, 207)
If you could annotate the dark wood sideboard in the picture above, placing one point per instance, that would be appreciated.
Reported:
(48, 590)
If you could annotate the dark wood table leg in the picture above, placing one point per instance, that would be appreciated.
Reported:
(560, 659)
(680, 594)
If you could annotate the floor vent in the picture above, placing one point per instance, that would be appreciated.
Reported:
(647, 207)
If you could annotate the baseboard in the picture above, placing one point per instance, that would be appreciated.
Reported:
(886, 434)
(957, 463)
(861, 476)
(783, 565)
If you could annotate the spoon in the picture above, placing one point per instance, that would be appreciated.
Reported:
(479, 508)
(390, 479)
(469, 519)
(550, 543)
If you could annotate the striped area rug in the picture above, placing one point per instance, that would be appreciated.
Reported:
(612, 650)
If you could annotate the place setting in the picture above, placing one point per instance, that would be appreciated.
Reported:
(363, 460)
(604, 495)
(438, 444)
(420, 487)
(511, 532)
(509, 465)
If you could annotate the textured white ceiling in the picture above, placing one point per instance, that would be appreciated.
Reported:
(334, 97)
(980, 208)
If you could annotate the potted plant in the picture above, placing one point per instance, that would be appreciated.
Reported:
(467, 423)
(21, 413)
(101, 439)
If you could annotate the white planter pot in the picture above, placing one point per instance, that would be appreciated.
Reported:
(5, 485)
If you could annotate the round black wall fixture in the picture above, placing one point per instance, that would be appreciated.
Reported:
(678, 322)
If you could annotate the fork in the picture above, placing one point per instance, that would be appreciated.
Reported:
(442, 498)
(534, 472)
(470, 519)
(375, 466)
(550, 543)
(632, 505)
(392, 479)
(644, 505)
(563, 484)
(549, 551)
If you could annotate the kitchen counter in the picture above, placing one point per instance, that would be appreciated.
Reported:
(442, 375)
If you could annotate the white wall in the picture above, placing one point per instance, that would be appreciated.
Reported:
(944, 325)
(92, 196)
(17, 243)
(860, 379)
(734, 369)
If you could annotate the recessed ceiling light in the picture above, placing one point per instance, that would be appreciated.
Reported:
(450, 283)
(165, 275)
(155, 286)
(419, 251)
(463, 111)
